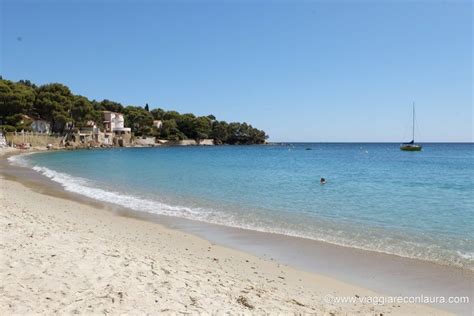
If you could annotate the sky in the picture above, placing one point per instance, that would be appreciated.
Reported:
(322, 71)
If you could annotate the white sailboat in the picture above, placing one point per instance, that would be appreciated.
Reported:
(411, 146)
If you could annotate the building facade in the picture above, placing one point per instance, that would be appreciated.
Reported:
(40, 126)
(115, 122)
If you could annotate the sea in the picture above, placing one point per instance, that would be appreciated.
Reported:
(412, 204)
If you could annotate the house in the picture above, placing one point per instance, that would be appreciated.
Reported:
(158, 124)
(114, 122)
(90, 127)
(40, 126)
(89, 132)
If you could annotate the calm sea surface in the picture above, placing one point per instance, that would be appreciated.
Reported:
(413, 204)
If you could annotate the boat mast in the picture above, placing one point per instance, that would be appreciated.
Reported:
(413, 124)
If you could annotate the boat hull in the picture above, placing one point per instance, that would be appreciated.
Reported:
(410, 147)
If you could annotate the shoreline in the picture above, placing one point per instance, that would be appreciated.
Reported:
(238, 240)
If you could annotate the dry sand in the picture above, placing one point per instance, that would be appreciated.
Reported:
(61, 256)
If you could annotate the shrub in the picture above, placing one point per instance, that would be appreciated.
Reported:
(7, 128)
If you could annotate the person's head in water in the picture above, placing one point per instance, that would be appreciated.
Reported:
(322, 180)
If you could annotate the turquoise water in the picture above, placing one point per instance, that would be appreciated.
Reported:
(412, 204)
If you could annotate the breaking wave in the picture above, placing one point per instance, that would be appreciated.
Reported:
(20, 160)
(83, 187)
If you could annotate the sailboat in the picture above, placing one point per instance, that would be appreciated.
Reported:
(411, 146)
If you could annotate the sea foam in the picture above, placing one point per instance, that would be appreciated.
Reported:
(84, 187)
(20, 160)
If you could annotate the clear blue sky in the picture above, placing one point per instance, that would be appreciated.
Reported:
(300, 70)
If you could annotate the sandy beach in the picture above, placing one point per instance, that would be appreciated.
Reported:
(62, 256)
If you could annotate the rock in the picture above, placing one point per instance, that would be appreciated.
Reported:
(244, 301)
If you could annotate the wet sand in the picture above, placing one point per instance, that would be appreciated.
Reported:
(386, 274)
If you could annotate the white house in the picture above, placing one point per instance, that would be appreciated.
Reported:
(158, 124)
(40, 126)
(114, 122)
(115, 131)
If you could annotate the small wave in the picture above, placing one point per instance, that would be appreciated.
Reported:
(20, 160)
(83, 187)
(466, 255)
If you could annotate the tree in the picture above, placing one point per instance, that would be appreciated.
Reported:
(220, 132)
(107, 105)
(28, 83)
(15, 98)
(60, 119)
(171, 115)
(244, 134)
(201, 127)
(158, 113)
(138, 119)
(170, 131)
(53, 103)
(7, 107)
(19, 121)
(185, 124)
(82, 111)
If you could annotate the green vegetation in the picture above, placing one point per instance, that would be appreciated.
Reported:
(20, 101)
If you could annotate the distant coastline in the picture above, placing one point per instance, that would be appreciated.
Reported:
(52, 111)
